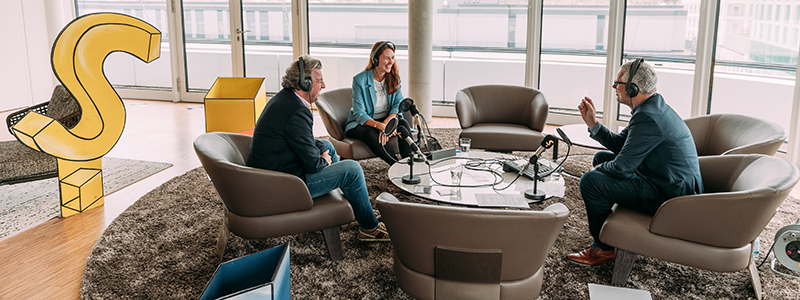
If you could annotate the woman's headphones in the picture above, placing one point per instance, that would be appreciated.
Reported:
(304, 82)
(376, 55)
(631, 88)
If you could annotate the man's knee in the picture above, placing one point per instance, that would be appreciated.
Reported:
(353, 168)
(589, 181)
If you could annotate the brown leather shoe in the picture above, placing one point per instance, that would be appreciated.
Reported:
(592, 256)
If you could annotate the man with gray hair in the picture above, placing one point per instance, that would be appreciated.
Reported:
(650, 161)
(283, 141)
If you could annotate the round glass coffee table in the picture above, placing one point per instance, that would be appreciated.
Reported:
(444, 172)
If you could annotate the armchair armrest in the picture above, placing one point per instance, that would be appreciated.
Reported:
(465, 108)
(250, 191)
(728, 219)
(539, 109)
(768, 146)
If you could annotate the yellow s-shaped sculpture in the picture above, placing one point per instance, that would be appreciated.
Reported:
(77, 58)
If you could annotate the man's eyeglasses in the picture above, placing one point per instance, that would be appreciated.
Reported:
(616, 83)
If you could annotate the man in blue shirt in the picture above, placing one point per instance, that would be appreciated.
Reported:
(650, 161)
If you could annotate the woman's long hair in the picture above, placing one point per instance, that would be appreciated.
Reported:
(392, 78)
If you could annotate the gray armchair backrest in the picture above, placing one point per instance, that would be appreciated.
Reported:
(334, 106)
(722, 134)
(742, 194)
(246, 191)
(507, 104)
(524, 237)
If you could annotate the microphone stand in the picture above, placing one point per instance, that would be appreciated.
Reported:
(535, 195)
(411, 178)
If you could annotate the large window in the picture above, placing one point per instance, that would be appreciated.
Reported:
(476, 43)
(574, 47)
(754, 74)
(666, 36)
(268, 40)
(473, 43)
(206, 31)
(342, 32)
(124, 70)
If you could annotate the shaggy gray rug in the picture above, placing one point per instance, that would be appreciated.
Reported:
(163, 247)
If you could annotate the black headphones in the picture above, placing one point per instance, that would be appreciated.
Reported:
(305, 82)
(378, 50)
(630, 88)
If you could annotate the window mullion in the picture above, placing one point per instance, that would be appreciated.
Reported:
(704, 66)
(616, 28)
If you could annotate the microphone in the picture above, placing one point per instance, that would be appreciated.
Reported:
(564, 136)
(390, 127)
(406, 135)
(547, 142)
(408, 105)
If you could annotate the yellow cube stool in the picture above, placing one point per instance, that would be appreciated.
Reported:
(82, 190)
(234, 104)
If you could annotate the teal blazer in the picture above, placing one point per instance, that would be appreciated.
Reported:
(364, 100)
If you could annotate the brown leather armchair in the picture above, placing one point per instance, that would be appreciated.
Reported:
(502, 117)
(443, 252)
(263, 204)
(722, 134)
(712, 231)
(334, 106)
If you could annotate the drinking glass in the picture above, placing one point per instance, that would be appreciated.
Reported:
(455, 174)
(464, 144)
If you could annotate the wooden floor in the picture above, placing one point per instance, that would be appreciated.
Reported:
(47, 261)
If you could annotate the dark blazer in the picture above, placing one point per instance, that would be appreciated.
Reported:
(283, 139)
(656, 145)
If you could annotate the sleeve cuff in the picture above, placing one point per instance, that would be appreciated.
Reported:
(595, 129)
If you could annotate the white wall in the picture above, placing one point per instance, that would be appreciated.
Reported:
(27, 77)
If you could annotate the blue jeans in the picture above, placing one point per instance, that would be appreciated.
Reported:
(600, 192)
(348, 176)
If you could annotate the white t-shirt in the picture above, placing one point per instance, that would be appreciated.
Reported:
(381, 101)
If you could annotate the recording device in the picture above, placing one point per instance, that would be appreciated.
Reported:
(631, 88)
(534, 194)
(547, 142)
(406, 135)
(304, 82)
(564, 136)
(390, 127)
(376, 56)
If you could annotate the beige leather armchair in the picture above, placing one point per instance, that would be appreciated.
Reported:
(712, 231)
(502, 117)
(722, 134)
(263, 204)
(443, 252)
(334, 106)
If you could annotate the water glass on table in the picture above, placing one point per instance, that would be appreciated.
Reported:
(456, 172)
(464, 144)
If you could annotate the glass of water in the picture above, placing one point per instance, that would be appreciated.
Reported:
(465, 144)
(456, 172)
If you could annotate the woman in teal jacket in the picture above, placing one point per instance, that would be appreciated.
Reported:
(376, 100)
